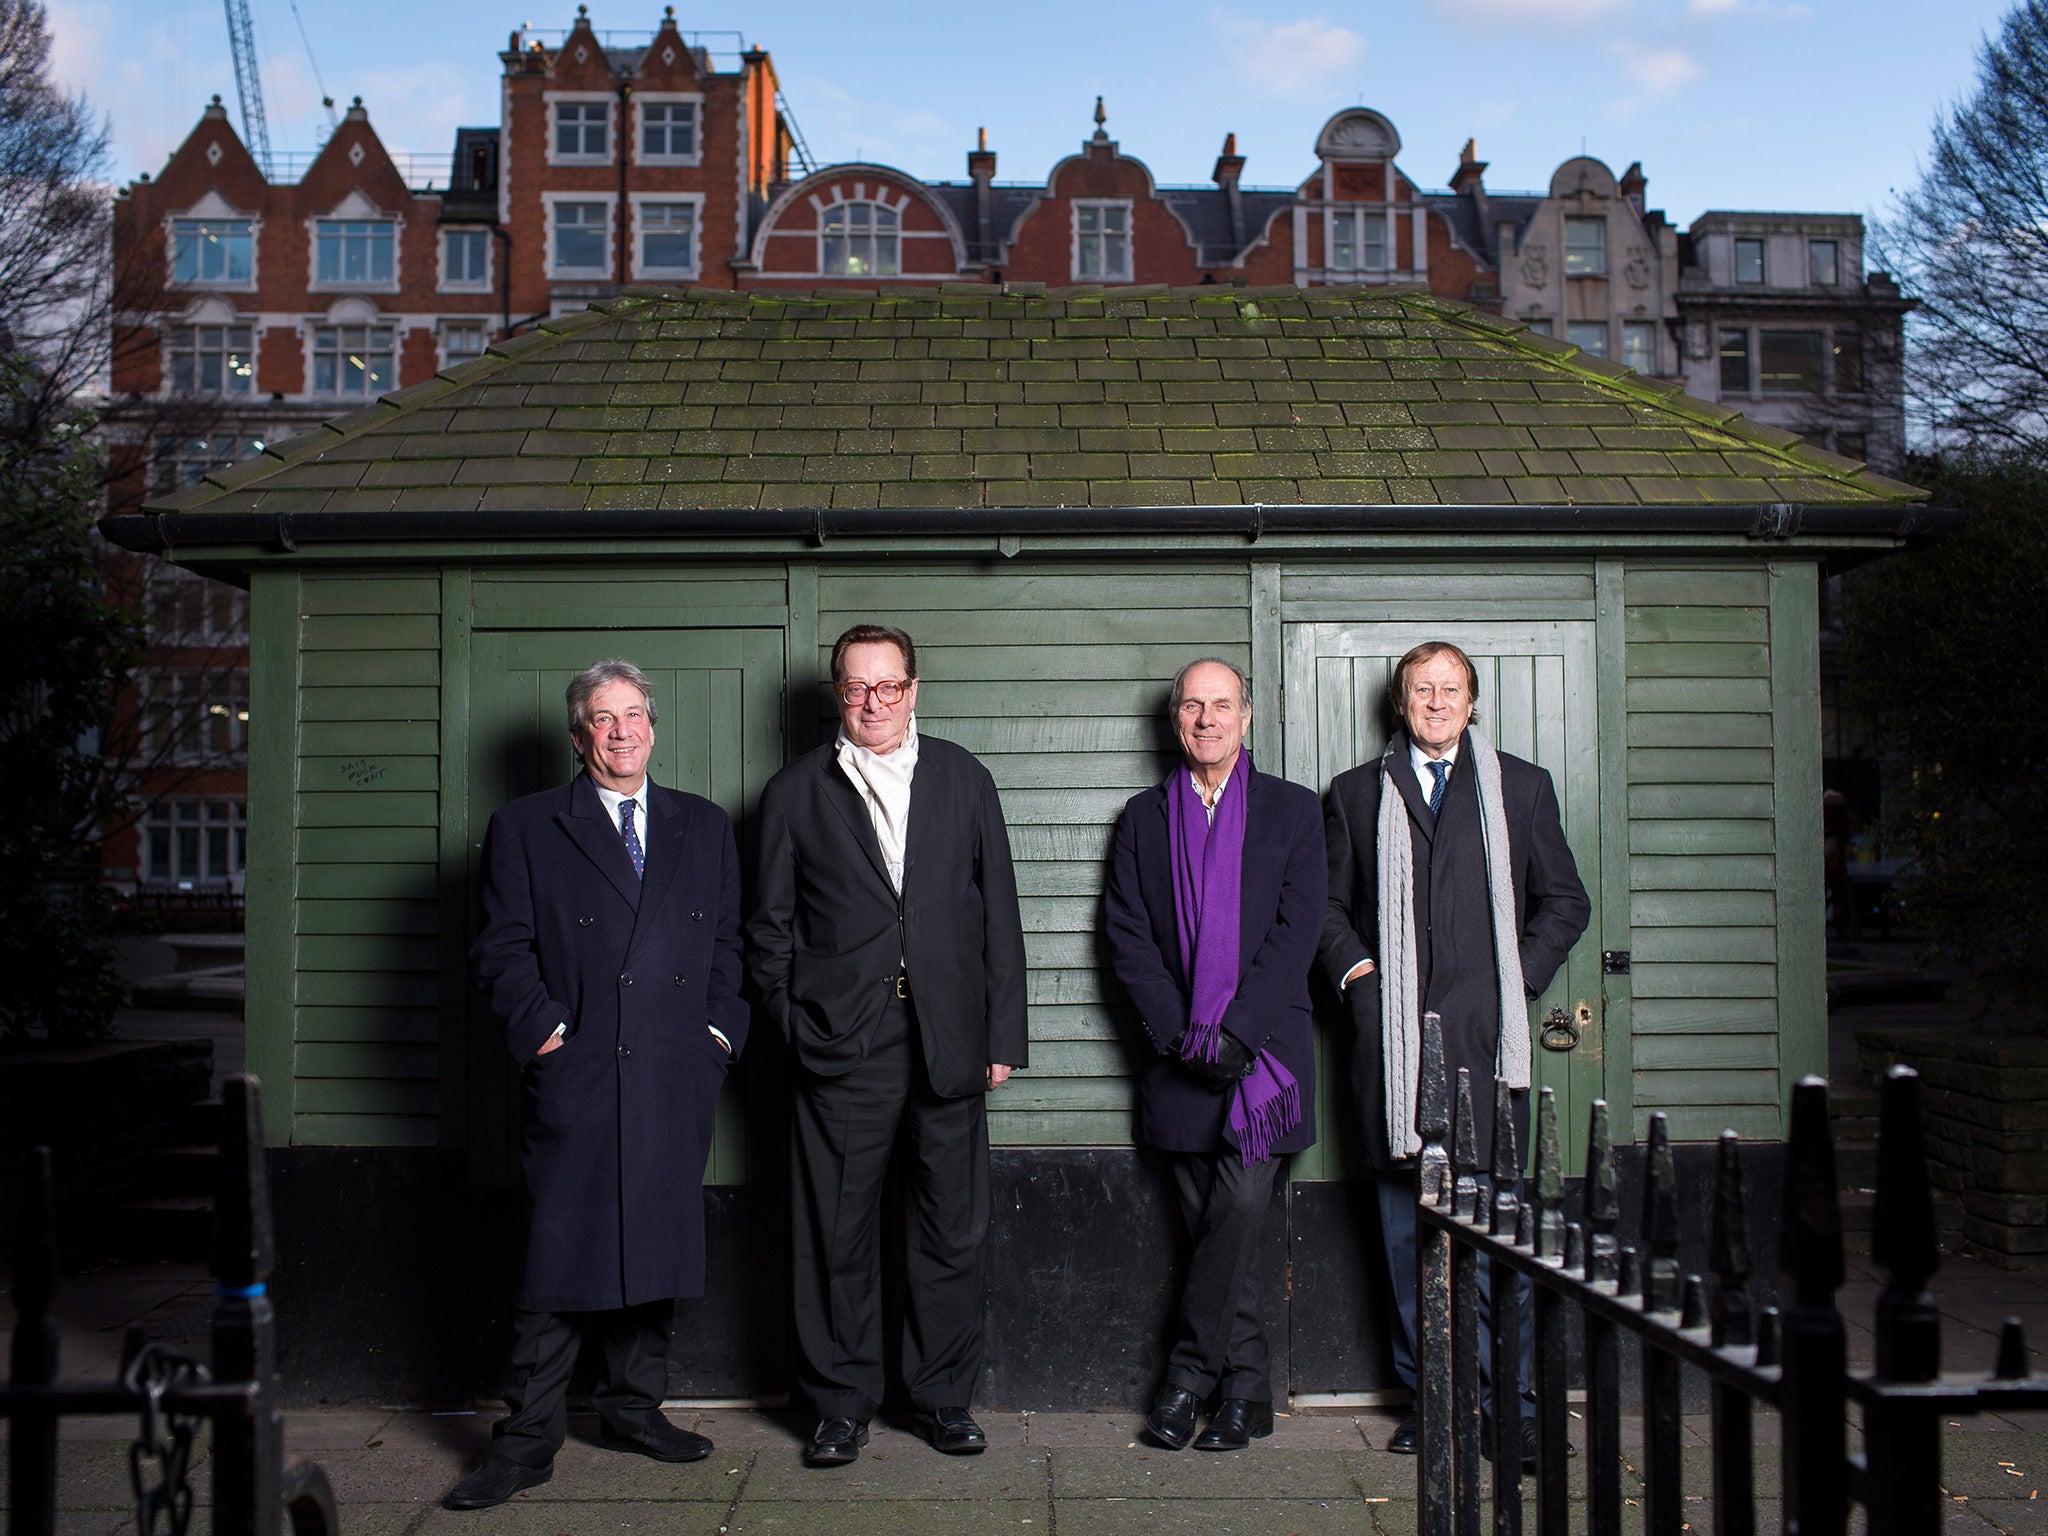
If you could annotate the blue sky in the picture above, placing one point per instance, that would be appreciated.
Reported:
(1775, 104)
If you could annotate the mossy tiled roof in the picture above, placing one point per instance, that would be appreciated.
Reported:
(984, 397)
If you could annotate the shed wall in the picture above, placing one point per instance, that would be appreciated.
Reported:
(1055, 676)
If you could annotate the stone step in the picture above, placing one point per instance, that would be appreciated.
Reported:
(190, 1170)
(198, 1123)
(1859, 1210)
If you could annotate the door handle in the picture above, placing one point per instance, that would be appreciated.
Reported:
(1559, 1032)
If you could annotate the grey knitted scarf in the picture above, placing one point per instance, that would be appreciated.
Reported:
(1400, 983)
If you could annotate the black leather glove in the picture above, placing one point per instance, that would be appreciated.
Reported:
(1232, 1062)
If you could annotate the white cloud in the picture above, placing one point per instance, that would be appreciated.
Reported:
(1290, 56)
(1657, 71)
(1539, 11)
(1711, 7)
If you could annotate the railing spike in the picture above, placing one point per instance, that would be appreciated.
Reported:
(1904, 1237)
(2012, 1351)
(1433, 1116)
(1464, 1149)
(1575, 1248)
(1769, 1338)
(1507, 1162)
(1603, 1202)
(1734, 1312)
(244, 1239)
(1525, 1225)
(1660, 1221)
(1629, 1270)
(1813, 1212)
(1549, 1234)
(1693, 1303)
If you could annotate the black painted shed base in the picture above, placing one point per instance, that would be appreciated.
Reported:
(394, 1279)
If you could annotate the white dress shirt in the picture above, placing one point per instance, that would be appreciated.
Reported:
(1420, 761)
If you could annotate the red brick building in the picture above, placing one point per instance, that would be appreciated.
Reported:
(278, 304)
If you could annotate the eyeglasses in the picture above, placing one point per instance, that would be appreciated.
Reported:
(886, 693)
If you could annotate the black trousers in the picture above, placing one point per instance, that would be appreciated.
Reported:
(635, 1345)
(845, 1132)
(1218, 1339)
(1399, 1196)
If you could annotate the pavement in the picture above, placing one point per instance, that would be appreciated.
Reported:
(1045, 1474)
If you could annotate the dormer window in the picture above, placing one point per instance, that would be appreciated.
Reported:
(354, 251)
(213, 251)
(859, 240)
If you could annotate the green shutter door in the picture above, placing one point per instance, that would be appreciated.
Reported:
(1536, 697)
(718, 699)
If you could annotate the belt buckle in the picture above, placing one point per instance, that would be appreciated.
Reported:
(902, 986)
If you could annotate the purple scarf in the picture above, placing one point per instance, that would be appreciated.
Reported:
(1208, 874)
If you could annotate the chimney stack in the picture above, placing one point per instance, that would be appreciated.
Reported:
(1229, 171)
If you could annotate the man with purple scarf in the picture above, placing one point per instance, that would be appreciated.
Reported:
(1215, 901)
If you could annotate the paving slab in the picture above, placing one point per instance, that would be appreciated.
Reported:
(1996, 1466)
(898, 1469)
(1216, 1517)
(93, 1474)
(522, 1517)
(1269, 1469)
(2016, 1517)
(808, 1518)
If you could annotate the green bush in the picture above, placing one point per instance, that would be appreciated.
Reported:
(1948, 662)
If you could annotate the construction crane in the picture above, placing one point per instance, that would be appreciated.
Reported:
(242, 41)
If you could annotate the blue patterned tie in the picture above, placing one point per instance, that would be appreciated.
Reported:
(632, 838)
(1436, 791)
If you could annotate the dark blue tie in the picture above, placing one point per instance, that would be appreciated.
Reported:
(1436, 791)
(632, 838)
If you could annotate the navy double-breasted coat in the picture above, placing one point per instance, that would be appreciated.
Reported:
(616, 1122)
(1280, 915)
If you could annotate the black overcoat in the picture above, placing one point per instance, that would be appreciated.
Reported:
(1280, 912)
(616, 1122)
(1458, 976)
(828, 932)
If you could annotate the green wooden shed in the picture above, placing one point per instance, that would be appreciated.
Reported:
(1063, 496)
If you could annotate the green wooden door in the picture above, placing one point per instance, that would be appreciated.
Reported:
(1536, 698)
(718, 702)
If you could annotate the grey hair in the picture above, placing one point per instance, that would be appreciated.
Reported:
(602, 674)
(1244, 684)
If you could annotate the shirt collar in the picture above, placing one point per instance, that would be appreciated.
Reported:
(611, 799)
(1421, 760)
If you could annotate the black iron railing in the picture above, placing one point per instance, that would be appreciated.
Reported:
(255, 1492)
(1793, 1359)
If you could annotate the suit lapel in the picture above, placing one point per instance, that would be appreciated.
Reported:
(666, 824)
(593, 831)
(847, 801)
(1401, 769)
(1170, 942)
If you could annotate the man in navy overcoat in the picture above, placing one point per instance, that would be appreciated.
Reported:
(610, 956)
(1229, 1088)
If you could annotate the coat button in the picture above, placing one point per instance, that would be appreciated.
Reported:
(696, 914)
(585, 921)
(625, 1050)
(626, 981)
(679, 981)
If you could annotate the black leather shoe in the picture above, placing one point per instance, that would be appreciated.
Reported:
(953, 1431)
(1528, 1442)
(661, 1440)
(1403, 1441)
(1238, 1422)
(494, 1481)
(835, 1442)
(1172, 1419)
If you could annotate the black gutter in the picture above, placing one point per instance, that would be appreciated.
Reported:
(156, 532)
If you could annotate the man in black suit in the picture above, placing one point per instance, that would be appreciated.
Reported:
(887, 944)
(610, 956)
(1215, 899)
(1452, 891)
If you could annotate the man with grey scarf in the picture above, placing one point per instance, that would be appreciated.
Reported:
(1452, 891)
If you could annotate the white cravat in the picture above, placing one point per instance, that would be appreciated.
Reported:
(884, 784)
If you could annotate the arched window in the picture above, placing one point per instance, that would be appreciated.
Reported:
(858, 240)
